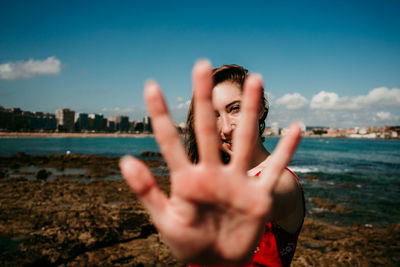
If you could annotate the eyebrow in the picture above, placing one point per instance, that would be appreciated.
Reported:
(232, 103)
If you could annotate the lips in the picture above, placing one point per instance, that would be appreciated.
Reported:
(228, 144)
(227, 141)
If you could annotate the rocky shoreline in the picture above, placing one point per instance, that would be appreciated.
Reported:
(67, 219)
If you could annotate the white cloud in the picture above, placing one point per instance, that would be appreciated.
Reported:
(179, 99)
(381, 97)
(30, 68)
(184, 105)
(325, 100)
(292, 101)
(179, 111)
(124, 110)
(376, 98)
(383, 115)
(379, 106)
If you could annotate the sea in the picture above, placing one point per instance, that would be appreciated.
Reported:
(361, 174)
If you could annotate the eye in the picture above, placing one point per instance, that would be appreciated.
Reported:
(216, 114)
(235, 109)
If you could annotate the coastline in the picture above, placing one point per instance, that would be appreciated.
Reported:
(69, 218)
(136, 135)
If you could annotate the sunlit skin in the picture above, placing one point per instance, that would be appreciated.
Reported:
(226, 99)
(216, 212)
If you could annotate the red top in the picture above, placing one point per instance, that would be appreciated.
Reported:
(277, 246)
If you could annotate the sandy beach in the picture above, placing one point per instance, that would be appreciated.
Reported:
(52, 216)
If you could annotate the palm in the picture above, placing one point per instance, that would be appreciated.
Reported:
(214, 210)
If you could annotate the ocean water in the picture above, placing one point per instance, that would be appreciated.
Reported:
(363, 175)
(109, 146)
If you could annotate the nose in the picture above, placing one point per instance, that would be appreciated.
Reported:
(228, 124)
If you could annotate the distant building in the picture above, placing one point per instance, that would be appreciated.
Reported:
(16, 110)
(363, 130)
(111, 125)
(41, 121)
(65, 119)
(275, 128)
(138, 126)
(351, 131)
(147, 124)
(16, 120)
(342, 132)
(82, 123)
(121, 123)
(104, 124)
(5, 118)
(50, 122)
(302, 126)
(96, 122)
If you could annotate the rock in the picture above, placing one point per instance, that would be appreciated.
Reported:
(316, 245)
(312, 177)
(20, 155)
(42, 174)
(330, 206)
(15, 166)
(346, 184)
(150, 154)
(69, 223)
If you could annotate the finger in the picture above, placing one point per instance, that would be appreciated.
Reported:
(164, 129)
(142, 182)
(204, 116)
(280, 158)
(246, 134)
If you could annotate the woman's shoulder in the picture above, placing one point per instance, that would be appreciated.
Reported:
(294, 174)
(288, 183)
(289, 209)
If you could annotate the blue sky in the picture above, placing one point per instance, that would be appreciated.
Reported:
(323, 62)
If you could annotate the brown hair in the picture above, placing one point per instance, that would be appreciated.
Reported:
(236, 74)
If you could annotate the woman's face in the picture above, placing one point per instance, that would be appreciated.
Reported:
(226, 100)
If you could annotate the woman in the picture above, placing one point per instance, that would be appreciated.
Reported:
(235, 209)
(226, 98)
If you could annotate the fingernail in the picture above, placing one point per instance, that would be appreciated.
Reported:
(151, 88)
(257, 75)
(150, 82)
(125, 160)
(203, 62)
(295, 127)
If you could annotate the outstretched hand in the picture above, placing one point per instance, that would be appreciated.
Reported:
(216, 213)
